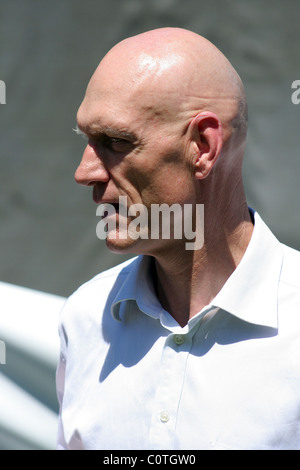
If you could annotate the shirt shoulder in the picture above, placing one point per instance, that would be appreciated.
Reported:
(95, 295)
(109, 276)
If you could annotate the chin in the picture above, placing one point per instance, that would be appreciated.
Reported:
(123, 246)
(140, 246)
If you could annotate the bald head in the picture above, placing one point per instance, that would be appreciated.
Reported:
(174, 71)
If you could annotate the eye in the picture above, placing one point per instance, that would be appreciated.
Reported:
(116, 144)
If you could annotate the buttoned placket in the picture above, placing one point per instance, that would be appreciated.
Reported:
(174, 358)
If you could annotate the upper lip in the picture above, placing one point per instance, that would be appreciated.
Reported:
(96, 196)
(99, 199)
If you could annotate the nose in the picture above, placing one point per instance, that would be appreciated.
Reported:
(91, 169)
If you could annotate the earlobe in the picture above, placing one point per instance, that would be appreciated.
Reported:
(208, 137)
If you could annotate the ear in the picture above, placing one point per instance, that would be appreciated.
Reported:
(207, 135)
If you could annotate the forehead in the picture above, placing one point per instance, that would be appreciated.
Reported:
(93, 119)
(118, 97)
(105, 108)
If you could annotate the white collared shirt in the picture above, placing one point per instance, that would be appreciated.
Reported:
(130, 377)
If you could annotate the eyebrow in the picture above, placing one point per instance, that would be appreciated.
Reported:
(105, 131)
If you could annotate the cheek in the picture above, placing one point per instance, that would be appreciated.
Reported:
(171, 185)
(157, 176)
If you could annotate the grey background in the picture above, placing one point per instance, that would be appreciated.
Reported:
(49, 49)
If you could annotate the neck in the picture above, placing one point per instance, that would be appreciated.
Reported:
(187, 281)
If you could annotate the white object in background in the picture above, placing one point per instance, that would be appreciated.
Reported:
(29, 339)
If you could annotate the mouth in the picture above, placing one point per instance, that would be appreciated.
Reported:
(110, 208)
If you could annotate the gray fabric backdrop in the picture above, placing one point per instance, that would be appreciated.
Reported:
(49, 50)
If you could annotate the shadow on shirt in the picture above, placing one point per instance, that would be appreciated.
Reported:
(138, 334)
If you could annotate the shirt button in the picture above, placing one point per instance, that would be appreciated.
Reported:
(164, 416)
(179, 339)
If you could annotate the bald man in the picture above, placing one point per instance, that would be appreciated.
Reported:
(177, 348)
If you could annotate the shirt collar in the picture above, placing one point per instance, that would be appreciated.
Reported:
(139, 288)
(250, 293)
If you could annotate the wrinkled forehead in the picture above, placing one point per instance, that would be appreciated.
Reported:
(141, 87)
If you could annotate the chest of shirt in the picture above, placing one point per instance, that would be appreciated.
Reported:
(218, 386)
